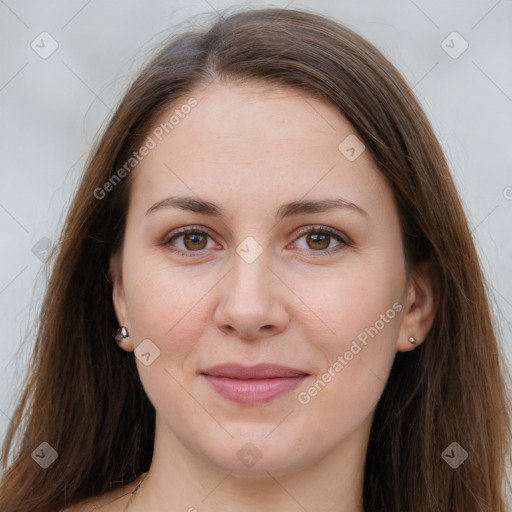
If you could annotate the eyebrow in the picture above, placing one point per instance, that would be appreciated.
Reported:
(291, 209)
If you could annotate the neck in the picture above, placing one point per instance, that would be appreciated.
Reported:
(179, 480)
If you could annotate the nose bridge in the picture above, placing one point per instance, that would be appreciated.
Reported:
(248, 304)
(250, 262)
(249, 281)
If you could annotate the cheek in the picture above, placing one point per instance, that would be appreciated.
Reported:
(356, 360)
(346, 302)
(168, 304)
(360, 313)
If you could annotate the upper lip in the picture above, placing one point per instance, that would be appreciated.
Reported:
(259, 371)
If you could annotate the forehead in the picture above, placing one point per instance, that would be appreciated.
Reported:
(253, 114)
(254, 142)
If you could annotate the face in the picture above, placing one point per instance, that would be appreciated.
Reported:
(262, 277)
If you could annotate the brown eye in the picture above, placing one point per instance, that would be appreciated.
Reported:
(189, 241)
(318, 240)
(195, 241)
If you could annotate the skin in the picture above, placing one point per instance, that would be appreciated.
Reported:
(250, 148)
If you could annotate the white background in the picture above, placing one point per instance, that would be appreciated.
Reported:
(52, 109)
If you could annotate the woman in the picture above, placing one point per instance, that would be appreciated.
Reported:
(266, 296)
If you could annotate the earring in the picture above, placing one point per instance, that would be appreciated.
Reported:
(121, 333)
(412, 339)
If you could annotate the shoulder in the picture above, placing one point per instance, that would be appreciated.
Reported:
(112, 501)
(99, 504)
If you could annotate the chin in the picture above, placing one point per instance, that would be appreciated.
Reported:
(254, 456)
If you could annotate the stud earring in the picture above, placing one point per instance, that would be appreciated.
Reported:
(412, 339)
(121, 334)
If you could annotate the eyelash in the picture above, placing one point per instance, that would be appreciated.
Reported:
(311, 229)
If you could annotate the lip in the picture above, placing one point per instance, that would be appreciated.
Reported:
(253, 384)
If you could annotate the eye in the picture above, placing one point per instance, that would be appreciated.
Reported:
(193, 240)
(319, 238)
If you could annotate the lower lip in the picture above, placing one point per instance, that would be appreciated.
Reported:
(253, 391)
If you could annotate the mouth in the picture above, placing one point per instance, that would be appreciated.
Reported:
(253, 384)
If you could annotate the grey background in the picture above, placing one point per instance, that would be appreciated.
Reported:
(53, 108)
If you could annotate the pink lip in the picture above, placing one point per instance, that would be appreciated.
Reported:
(253, 384)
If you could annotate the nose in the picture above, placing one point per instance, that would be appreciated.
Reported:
(252, 303)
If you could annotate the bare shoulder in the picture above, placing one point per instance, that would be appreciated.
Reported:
(103, 503)
(112, 501)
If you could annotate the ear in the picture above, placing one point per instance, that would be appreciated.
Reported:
(119, 300)
(419, 309)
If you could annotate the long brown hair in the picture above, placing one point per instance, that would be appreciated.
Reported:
(83, 395)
